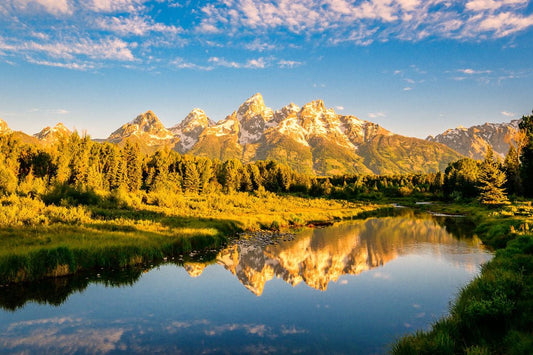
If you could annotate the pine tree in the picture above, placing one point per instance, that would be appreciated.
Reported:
(491, 182)
(132, 157)
(526, 156)
(511, 167)
(191, 178)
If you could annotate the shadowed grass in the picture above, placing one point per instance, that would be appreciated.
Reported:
(39, 241)
(494, 313)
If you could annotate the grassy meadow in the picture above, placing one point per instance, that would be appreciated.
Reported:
(120, 229)
(494, 313)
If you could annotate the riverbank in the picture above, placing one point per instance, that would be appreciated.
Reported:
(39, 241)
(494, 313)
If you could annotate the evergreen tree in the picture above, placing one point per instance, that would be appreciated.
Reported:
(526, 156)
(230, 178)
(132, 157)
(461, 178)
(491, 182)
(191, 177)
(511, 167)
(205, 169)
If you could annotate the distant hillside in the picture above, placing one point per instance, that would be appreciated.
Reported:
(473, 141)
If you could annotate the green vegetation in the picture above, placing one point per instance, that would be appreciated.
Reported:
(81, 205)
(494, 313)
(39, 240)
(78, 205)
(526, 153)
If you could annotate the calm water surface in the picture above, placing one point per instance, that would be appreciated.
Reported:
(349, 288)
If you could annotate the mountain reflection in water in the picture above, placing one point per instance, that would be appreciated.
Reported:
(314, 256)
(319, 256)
(408, 269)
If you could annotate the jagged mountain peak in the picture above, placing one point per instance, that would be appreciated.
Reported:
(148, 121)
(254, 106)
(190, 128)
(4, 128)
(290, 108)
(146, 127)
(316, 105)
(473, 141)
(197, 117)
(253, 117)
(52, 134)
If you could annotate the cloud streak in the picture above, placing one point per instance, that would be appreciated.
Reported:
(66, 33)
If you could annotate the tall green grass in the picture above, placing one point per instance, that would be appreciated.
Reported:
(39, 240)
(494, 313)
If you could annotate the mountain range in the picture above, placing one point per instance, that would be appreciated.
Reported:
(311, 139)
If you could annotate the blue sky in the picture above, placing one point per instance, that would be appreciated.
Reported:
(415, 67)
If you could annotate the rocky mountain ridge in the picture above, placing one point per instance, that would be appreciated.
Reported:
(473, 141)
(4, 128)
(50, 135)
(311, 139)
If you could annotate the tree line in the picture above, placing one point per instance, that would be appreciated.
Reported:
(84, 165)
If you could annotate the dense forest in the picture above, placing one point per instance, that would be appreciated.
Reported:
(77, 170)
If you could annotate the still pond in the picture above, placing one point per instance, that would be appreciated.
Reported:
(350, 288)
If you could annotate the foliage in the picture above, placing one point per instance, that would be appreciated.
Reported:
(491, 181)
(494, 313)
(526, 156)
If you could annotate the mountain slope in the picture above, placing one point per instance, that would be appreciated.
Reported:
(147, 131)
(312, 139)
(473, 141)
(189, 130)
(394, 154)
(50, 135)
(4, 128)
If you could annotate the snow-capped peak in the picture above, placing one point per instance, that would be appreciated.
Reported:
(190, 128)
(147, 126)
(51, 134)
(4, 128)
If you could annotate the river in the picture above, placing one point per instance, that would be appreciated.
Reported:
(350, 288)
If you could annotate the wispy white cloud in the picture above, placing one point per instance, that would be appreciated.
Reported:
(181, 63)
(339, 108)
(376, 114)
(473, 72)
(258, 63)
(55, 7)
(484, 5)
(106, 48)
(58, 111)
(289, 63)
(489, 76)
(214, 62)
(508, 114)
(130, 6)
(136, 25)
(259, 46)
(70, 53)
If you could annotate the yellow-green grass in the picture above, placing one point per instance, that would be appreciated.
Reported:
(38, 241)
(494, 313)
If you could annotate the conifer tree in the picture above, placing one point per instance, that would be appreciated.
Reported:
(191, 178)
(511, 167)
(526, 156)
(491, 182)
(132, 157)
